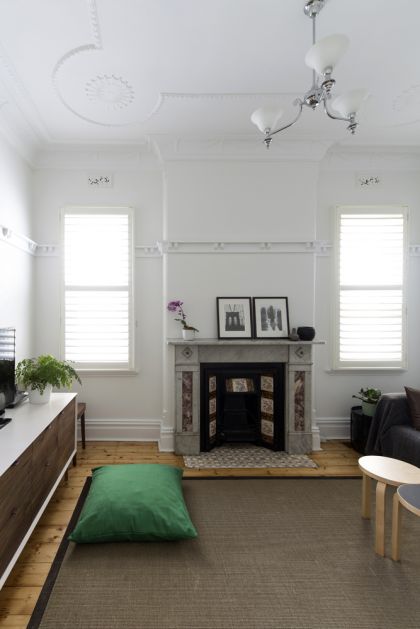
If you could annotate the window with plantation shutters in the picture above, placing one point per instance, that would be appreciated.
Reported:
(98, 326)
(370, 307)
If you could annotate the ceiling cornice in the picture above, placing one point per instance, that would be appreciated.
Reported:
(85, 156)
(238, 148)
(342, 157)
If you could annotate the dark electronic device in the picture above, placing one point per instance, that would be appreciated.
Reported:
(7, 367)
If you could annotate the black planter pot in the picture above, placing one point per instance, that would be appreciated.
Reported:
(306, 333)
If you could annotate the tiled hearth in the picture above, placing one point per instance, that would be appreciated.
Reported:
(297, 357)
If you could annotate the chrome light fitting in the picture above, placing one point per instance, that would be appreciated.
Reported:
(322, 58)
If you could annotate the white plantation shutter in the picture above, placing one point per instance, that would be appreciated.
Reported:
(98, 287)
(371, 305)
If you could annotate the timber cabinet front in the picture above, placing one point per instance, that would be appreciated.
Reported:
(26, 485)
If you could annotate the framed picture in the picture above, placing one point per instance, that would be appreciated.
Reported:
(271, 317)
(234, 319)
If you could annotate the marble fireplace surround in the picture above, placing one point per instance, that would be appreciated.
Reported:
(297, 355)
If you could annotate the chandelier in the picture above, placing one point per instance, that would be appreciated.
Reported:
(322, 58)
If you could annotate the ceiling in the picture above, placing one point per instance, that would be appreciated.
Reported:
(121, 72)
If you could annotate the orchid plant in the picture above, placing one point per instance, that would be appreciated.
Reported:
(176, 307)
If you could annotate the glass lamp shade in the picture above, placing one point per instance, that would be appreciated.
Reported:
(266, 117)
(349, 103)
(326, 53)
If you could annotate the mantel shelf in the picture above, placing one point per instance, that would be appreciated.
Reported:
(199, 341)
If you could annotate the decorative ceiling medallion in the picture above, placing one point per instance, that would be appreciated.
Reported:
(113, 91)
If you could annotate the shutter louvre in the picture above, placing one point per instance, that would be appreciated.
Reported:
(97, 301)
(371, 296)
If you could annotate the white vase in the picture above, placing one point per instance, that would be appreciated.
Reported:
(188, 335)
(368, 408)
(35, 397)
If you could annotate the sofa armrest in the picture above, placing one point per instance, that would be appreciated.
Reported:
(392, 410)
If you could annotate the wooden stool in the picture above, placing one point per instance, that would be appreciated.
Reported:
(409, 497)
(386, 471)
(81, 410)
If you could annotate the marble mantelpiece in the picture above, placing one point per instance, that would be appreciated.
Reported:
(297, 355)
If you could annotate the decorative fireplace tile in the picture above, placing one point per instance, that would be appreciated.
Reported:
(267, 405)
(187, 401)
(212, 384)
(212, 387)
(267, 428)
(267, 383)
(267, 408)
(212, 406)
(299, 392)
(240, 385)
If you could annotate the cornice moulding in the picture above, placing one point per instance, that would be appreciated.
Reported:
(81, 157)
(386, 158)
(248, 148)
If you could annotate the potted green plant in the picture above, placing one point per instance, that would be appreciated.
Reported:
(369, 398)
(39, 375)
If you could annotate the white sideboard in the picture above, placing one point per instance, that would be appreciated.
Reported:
(36, 448)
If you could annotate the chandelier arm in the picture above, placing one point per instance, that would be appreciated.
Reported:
(290, 124)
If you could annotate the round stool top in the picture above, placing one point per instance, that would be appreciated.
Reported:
(409, 496)
(390, 471)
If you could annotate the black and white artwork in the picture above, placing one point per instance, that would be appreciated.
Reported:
(271, 317)
(234, 317)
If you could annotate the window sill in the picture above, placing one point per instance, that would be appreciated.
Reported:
(366, 370)
(107, 372)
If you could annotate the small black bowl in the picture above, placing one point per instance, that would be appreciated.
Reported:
(306, 333)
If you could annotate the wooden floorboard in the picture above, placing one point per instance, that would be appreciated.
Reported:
(21, 590)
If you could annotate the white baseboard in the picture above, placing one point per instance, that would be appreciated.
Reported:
(130, 430)
(154, 430)
(334, 428)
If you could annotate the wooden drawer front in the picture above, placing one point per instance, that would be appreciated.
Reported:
(44, 464)
(15, 499)
(66, 433)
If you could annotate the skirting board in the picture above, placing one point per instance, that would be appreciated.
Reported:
(130, 430)
(334, 428)
(154, 430)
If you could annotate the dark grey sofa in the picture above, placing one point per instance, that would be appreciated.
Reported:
(391, 433)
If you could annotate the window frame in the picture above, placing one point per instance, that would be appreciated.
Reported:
(367, 366)
(109, 368)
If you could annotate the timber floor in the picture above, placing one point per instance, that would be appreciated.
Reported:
(21, 590)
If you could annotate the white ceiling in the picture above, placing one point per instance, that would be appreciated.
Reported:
(120, 71)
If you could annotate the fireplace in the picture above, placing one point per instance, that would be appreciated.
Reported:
(242, 402)
(291, 432)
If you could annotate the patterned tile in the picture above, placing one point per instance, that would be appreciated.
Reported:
(243, 455)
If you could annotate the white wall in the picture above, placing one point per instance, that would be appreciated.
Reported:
(16, 265)
(136, 397)
(337, 186)
(222, 201)
(249, 201)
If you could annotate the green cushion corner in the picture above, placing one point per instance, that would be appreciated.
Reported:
(133, 502)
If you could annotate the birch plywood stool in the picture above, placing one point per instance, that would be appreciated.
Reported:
(409, 497)
(385, 471)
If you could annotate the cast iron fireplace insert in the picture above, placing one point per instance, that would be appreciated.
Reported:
(242, 403)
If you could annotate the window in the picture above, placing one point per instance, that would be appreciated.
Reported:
(98, 287)
(370, 296)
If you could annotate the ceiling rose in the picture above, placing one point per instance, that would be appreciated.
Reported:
(110, 90)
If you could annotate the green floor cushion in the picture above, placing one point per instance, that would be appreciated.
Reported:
(134, 503)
